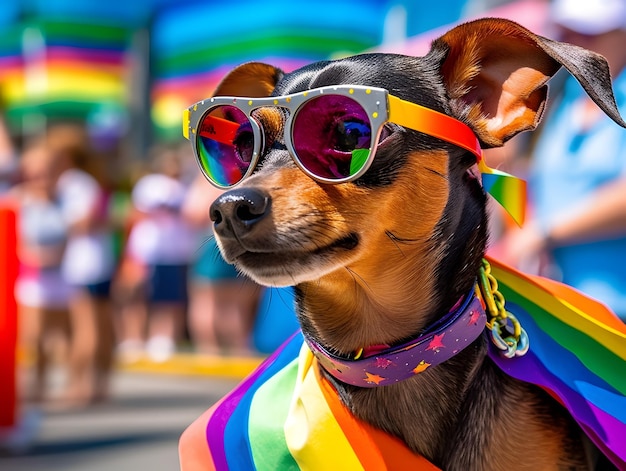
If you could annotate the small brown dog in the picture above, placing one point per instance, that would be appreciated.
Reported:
(380, 249)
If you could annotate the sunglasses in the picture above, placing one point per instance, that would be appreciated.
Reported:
(331, 132)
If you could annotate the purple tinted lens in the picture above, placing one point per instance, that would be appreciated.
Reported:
(225, 144)
(332, 136)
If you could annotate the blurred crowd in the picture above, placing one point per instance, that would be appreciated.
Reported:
(117, 272)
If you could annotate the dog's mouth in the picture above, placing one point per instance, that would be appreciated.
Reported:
(348, 242)
(289, 263)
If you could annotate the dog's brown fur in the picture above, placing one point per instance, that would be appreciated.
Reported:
(376, 260)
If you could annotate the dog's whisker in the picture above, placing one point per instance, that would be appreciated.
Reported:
(264, 314)
(438, 173)
(395, 241)
(402, 240)
(355, 275)
(203, 243)
(352, 274)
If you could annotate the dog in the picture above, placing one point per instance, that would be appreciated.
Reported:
(379, 251)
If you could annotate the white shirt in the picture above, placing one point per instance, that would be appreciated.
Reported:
(163, 236)
(89, 257)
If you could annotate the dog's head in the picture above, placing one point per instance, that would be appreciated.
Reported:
(376, 257)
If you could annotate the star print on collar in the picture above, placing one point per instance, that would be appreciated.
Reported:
(474, 316)
(421, 366)
(436, 343)
(382, 362)
(375, 379)
(451, 334)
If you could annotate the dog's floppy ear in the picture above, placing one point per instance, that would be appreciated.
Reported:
(500, 70)
(253, 79)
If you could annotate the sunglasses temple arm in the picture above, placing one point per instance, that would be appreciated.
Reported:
(217, 129)
(433, 123)
(508, 190)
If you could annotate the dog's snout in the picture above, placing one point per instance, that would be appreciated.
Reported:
(236, 211)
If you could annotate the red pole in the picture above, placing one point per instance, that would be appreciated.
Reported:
(8, 314)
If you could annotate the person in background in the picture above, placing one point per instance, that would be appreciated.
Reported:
(8, 158)
(223, 303)
(158, 251)
(18, 436)
(88, 264)
(577, 177)
(41, 292)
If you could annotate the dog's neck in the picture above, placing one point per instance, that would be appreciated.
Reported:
(365, 325)
(347, 310)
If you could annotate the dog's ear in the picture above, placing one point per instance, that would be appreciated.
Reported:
(253, 79)
(500, 70)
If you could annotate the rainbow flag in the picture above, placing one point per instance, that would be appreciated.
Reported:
(63, 65)
(11, 62)
(282, 415)
(577, 353)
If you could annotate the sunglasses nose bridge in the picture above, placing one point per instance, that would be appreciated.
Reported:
(273, 121)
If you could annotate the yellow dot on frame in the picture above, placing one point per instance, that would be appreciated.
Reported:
(276, 102)
(351, 91)
(249, 102)
(288, 99)
(375, 114)
(368, 91)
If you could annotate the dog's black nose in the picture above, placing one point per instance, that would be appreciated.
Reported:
(236, 211)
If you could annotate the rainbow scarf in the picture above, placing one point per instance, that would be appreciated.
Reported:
(285, 412)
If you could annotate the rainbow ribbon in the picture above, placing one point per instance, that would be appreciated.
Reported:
(284, 413)
(506, 189)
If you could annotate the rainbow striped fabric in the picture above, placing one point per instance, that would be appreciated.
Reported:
(74, 67)
(506, 189)
(282, 415)
(577, 353)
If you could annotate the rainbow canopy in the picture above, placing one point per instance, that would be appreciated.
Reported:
(65, 58)
(282, 415)
(100, 60)
(196, 44)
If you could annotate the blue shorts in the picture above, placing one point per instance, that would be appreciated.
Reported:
(168, 283)
(99, 290)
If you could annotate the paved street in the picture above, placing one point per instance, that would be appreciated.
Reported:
(138, 429)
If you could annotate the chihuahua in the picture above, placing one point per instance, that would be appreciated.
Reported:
(355, 181)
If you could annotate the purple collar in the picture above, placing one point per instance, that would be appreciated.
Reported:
(444, 339)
